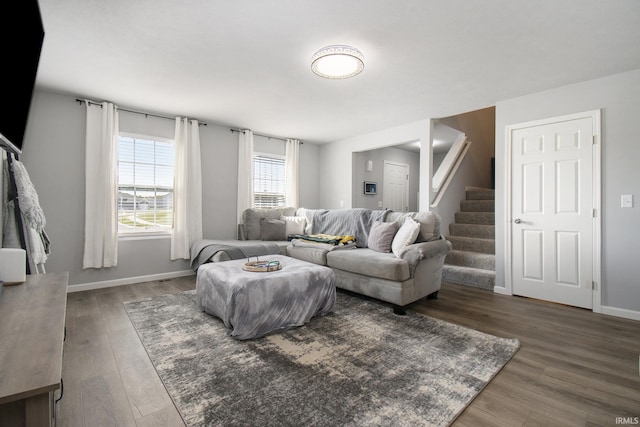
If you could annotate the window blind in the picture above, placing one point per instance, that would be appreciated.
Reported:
(268, 181)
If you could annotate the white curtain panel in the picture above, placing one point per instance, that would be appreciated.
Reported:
(187, 189)
(292, 157)
(245, 172)
(101, 186)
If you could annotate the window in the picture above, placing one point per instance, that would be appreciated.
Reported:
(145, 185)
(268, 181)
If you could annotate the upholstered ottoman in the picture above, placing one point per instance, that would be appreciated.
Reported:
(254, 304)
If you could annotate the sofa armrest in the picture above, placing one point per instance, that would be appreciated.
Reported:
(425, 250)
(434, 248)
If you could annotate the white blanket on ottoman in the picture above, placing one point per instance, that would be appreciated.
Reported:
(253, 304)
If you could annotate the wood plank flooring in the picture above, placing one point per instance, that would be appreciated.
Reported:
(574, 367)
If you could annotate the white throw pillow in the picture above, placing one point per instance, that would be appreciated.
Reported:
(294, 224)
(405, 236)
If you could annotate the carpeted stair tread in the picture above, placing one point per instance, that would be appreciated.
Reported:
(480, 194)
(471, 259)
(477, 206)
(474, 244)
(473, 230)
(487, 218)
(472, 188)
(469, 276)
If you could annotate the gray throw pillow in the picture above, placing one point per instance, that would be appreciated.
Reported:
(272, 229)
(381, 236)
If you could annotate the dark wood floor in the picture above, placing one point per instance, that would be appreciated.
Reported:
(574, 367)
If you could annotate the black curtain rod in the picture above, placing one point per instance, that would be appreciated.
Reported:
(264, 136)
(134, 111)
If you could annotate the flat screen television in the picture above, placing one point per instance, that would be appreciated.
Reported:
(21, 46)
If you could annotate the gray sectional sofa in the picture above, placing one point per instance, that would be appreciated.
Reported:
(402, 276)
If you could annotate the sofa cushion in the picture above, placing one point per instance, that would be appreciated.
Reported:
(251, 220)
(272, 229)
(370, 263)
(405, 236)
(313, 255)
(381, 236)
(429, 226)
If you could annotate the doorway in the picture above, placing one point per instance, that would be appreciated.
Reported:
(368, 167)
(395, 186)
(553, 236)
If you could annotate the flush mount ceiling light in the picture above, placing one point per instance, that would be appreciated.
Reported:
(337, 62)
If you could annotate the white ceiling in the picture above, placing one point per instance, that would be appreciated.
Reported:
(247, 63)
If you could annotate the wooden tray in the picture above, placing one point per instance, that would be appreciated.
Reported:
(262, 266)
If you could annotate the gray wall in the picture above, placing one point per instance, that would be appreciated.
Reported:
(479, 126)
(54, 157)
(618, 97)
(361, 200)
(337, 182)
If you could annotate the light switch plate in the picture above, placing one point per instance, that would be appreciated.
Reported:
(627, 200)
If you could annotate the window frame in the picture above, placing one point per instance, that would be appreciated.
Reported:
(143, 235)
(284, 177)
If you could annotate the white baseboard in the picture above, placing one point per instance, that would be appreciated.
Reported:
(621, 312)
(501, 290)
(610, 311)
(128, 281)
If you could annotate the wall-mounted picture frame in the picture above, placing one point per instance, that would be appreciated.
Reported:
(370, 187)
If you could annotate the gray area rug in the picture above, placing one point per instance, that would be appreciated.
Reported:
(360, 365)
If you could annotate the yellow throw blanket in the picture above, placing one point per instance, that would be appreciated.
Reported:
(328, 238)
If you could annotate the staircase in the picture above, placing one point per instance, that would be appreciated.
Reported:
(471, 262)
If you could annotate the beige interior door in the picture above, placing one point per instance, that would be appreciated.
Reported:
(552, 211)
(395, 186)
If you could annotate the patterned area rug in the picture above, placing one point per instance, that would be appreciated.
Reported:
(360, 365)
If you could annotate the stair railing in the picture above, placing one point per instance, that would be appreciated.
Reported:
(448, 168)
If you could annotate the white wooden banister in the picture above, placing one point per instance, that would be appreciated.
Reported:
(447, 169)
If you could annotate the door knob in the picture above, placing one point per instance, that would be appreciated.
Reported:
(517, 220)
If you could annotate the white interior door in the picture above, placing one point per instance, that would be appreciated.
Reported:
(552, 211)
(395, 186)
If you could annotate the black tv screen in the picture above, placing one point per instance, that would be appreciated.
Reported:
(21, 45)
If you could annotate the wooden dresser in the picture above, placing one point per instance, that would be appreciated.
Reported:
(32, 316)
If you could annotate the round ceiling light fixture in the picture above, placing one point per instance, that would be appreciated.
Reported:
(337, 62)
